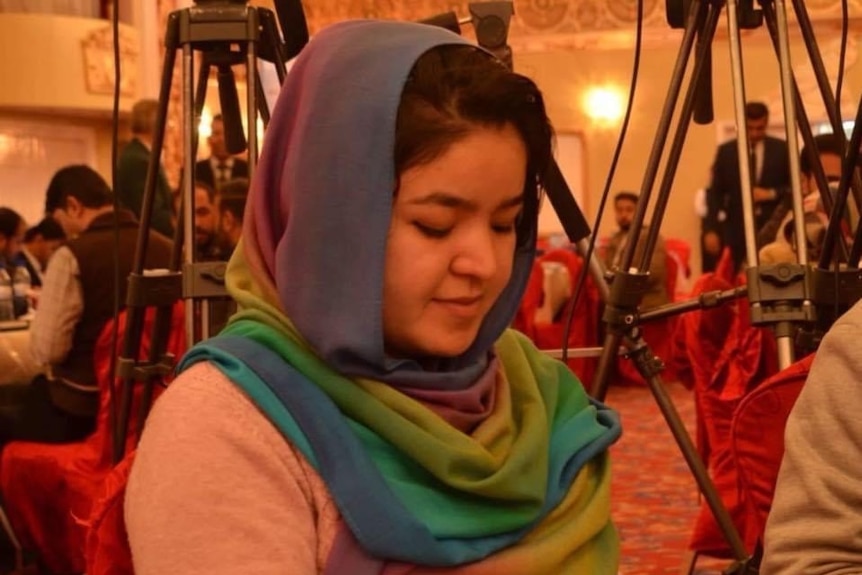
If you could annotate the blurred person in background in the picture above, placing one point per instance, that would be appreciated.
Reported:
(40, 243)
(132, 171)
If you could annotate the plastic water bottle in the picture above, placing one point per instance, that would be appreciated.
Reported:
(21, 285)
(7, 306)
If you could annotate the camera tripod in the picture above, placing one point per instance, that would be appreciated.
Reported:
(224, 33)
(784, 297)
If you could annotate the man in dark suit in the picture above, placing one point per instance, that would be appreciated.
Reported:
(220, 167)
(770, 171)
(132, 171)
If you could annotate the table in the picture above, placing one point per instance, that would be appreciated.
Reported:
(16, 364)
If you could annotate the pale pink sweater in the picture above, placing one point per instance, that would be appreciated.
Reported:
(207, 463)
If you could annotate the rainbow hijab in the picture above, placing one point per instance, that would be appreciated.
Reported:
(526, 488)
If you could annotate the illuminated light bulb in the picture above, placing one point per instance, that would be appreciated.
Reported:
(604, 105)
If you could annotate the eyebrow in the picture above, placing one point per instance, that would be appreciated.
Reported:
(450, 201)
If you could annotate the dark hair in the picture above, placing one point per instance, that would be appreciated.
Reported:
(217, 118)
(233, 196)
(10, 222)
(626, 195)
(79, 182)
(756, 111)
(211, 192)
(452, 89)
(48, 229)
(824, 144)
(144, 114)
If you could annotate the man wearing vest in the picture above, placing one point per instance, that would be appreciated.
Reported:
(77, 301)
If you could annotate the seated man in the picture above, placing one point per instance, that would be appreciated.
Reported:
(78, 296)
(231, 212)
(829, 150)
(624, 212)
(40, 243)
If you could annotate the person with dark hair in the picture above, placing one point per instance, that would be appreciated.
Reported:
(40, 243)
(368, 408)
(207, 241)
(830, 153)
(231, 211)
(658, 333)
(770, 178)
(625, 203)
(221, 167)
(132, 171)
(76, 301)
(12, 228)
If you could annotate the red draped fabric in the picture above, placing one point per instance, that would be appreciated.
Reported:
(757, 441)
(48, 490)
(107, 545)
(584, 328)
(747, 358)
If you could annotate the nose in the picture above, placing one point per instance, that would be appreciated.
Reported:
(475, 256)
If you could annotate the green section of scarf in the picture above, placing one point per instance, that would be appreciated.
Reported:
(504, 476)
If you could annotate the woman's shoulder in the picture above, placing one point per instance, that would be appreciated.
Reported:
(209, 456)
(202, 407)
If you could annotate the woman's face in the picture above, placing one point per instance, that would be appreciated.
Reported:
(451, 243)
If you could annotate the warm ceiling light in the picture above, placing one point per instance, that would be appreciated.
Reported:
(604, 105)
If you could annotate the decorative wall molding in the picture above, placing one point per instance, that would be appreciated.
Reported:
(98, 54)
(546, 24)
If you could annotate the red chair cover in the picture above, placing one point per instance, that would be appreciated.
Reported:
(48, 489)
(747, 359)
(757, 441)
(107, 546)
(584, 328)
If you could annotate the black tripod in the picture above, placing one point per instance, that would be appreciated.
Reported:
(779, 294)
(224, 33)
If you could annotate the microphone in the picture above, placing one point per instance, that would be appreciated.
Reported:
(571, 217)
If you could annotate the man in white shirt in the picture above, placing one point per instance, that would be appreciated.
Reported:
(76, 303)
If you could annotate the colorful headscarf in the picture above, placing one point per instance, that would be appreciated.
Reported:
(412, 484)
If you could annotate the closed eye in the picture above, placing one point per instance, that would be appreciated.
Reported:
(432, 232)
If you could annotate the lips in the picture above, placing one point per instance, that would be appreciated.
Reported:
(465, 307)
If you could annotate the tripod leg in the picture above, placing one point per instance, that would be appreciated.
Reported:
(696, 18)
(188, 191)
(647, 363)
(251, 106)
(835, 117)
(135, 314)
(829, 202)
(688, 109)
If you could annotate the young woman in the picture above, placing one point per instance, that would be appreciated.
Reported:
(367, 410)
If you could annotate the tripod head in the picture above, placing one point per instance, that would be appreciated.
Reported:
(676, 12)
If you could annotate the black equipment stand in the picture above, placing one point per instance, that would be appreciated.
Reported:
(224, 33)
(783, 296)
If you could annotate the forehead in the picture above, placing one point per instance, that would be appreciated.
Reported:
(487, 165)
(757, 122)
(831, 164)
(202, 196)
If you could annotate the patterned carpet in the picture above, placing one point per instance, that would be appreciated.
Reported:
(654, 495)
